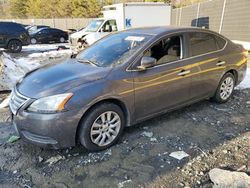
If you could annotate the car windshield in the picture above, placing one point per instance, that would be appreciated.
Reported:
(113, 49)
(94, 25)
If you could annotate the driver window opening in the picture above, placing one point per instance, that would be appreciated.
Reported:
(165, 51)
(109, 26)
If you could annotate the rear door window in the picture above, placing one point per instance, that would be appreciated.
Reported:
(201, 43)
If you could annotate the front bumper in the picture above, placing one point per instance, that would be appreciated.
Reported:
(47, 130)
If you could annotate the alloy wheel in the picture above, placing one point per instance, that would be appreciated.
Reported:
(105, 128)
(226, 88)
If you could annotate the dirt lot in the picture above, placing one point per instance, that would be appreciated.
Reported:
(142, 155)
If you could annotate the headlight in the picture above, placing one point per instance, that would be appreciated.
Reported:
(50, 104)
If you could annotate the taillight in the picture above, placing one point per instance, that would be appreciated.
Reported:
(243, 50)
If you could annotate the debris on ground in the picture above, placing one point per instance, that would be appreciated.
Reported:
(13, 139)
(178, 155)
(40, 159)
(5, 102)
(122, 184)
(153, 139)
(147, 134)
(95, 157)
(54, 160)
(232, 155)
(225, 178)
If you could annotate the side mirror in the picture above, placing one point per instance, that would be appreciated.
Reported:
(147, 62)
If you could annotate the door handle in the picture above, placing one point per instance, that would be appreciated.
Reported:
(221, 63)
(184, 72)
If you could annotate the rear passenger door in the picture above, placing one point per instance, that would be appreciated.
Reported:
(43, 36)
(205, 50)
(55, 35)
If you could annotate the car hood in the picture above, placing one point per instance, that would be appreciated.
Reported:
(79, 34)
(93, 37)
(59, 78)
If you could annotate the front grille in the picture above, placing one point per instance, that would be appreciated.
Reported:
(17, 100)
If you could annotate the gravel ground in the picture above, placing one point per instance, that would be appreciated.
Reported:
(142, 154)
(233, 156)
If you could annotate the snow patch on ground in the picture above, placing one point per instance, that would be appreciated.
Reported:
(13, 71)
(43, 47)
(246, 82)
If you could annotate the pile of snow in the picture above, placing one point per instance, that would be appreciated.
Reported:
(13, 69)
(43, 47)
(246, 82)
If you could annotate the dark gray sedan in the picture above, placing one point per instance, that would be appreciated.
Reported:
(121, 80)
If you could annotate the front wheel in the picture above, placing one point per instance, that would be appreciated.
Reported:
(225, 89)
(101, 127)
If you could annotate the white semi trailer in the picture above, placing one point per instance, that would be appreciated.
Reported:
(119, 17)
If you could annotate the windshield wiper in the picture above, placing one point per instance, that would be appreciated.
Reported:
(88, 61)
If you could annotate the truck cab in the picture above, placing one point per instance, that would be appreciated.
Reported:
(96, 29)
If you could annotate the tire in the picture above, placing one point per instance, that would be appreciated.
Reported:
(92, 129)
(226, 85)
(62, 39)
(33, 41)
(15, 46)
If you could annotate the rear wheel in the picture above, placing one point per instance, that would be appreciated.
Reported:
(62, 39)
(101, 127)
(225, 89)
(15, 46)
(33, 41)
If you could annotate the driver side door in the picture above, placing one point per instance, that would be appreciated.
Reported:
(166, 85)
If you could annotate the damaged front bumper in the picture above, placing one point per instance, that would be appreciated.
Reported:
(47, 130)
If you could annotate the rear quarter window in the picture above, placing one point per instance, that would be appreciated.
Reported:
(220, 42)
(202, 43)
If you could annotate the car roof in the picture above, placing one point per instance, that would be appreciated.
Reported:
(162, 30)
(13, 23)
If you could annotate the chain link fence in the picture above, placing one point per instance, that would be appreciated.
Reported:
(228, 17)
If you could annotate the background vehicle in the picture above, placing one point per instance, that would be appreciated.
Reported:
(121, 80)
(48, 35)
(35, 28)
(118, 17)
(13, 36)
